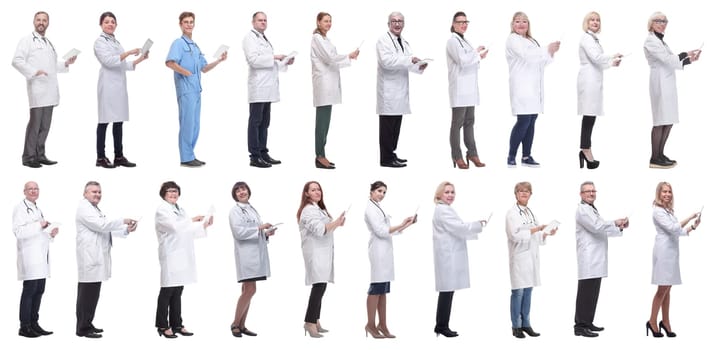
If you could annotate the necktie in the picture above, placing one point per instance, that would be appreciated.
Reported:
(400, 42)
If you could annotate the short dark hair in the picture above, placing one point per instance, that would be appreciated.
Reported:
(454, 17)
(186, 14)
(105, 15)
(378, 184)
(166, 186)
(237, 186)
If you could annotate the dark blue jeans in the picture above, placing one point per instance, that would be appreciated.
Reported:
(523, 132)
(30, 301)
(259, 120)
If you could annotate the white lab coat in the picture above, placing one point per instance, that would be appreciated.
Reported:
(250, 251)
(592, 246)
(94, 242)
(32, 55)
(463, 62)
(662, 80)
(526, 61)
(112, 97)
(263, 68)
(392, 84)
(316, 244)
(380, 245)
(592, 63)
(450, 233)
(665, 259)
(523, 247)
(325, 71)
(33, 242)
(176, 233)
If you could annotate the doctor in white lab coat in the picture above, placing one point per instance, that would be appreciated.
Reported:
(94, 262)
(34, 235)
(590, 98)
(524, 237)
(112, 97)
(526, 60)
(666, 271)
(251, 237)
(452, 269)
(176, 233)
(316, 226)
(592, 232)
(36, 59)
(380, 254)
(663, 64)
(262, 88)
(326, 76)
(463, 62)
(395, 62)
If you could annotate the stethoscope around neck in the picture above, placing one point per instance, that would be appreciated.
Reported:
(29, 210)
(43, 39)
(527, 216)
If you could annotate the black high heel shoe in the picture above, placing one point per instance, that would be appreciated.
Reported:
(669, 333)
(591, 164)
(182, 331)
(162, 331)
(653, 332)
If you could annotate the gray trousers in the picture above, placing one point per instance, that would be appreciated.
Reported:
(36, 133)
(462, 117)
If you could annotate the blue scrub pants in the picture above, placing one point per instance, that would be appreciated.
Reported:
(189, 115)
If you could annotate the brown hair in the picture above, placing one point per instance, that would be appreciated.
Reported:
(319, 17)
(306, 200)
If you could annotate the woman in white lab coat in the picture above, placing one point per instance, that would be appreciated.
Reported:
(666, 272)
(176, 233)
(663, 64)
(452, 269)
(463, 62)
(316, 226)
(325, 66)
(524, 236)
(380, 254)
(526, 60)
(250, 252)
(112, 99)
(592, 63)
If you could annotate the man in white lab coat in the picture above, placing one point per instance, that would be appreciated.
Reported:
(395, 60)
(34, 235)
(94, 262)
(592, 233)
(262, 87)
(36, 59)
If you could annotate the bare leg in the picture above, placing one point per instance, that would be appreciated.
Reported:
(382, 319)
(665, 308)
(371, 304)
(656, 304)
(248, 289)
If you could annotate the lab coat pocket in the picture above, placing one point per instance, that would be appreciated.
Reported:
(178, 260)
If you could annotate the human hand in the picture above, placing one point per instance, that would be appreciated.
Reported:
(354, 55)
(197, 218)
(482, 51)
(54, 232)
(40, 72)
(553, 47)
(223, 56)
(279, 57)
(70, 61)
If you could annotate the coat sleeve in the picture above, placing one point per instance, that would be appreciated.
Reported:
(243, 227)
(168, 223)
(454, 226)
(517, 47)
(107, 56)
(376, 222)
(89, 217)
(655, 48)
(22, 225)
(321, 49)
(664, 222)
(19, 61)
(461, 56)
(255, 57)
(312, 220)
(594, 52)
(594, 224)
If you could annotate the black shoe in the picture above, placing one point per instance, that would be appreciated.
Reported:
(530, 331)
(259, 163)
(585, 332)
(517, 333)
(594, 328)
(656, 333)
(667, 160)
(267, 158)
(236, 331)
(45, 161)
(401, 160)
(28, 332)
(320, 164)
(36, 327)
(32, 164)
(200, 161)
(393, 164)
(446, 332)
(192, 164)
(162, 333)
(660, 164)
(97, 330)
(122, 161)
(669, 333)
(248, 332)
(182, 331)
(104, 162)
(90, 335)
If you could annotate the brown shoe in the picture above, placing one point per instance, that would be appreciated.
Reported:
(460, 164)
(475, 160)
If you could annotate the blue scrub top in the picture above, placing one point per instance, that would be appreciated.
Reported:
(187, 54)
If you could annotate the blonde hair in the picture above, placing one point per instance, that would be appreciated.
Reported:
(523, 185)
(654, 16)
(657, 197)
(585, 23)
(514, 17)
(441, 188)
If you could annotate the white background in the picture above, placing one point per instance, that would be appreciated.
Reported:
(481, 313)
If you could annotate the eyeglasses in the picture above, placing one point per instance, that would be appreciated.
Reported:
(462, 22)
(172, 190)
(589, 191)
(397, 21)
(524, 191)
(659, 20)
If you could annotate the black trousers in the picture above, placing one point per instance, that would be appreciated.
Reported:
(388, 138)
(116, 135)
(313, 311)
(87, 298)
(30, 301)
(587, 297)
(259, 121)
(585, 138)
(442, 317)
(169, 304)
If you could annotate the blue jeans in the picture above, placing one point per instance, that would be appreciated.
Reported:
(523, 132)
(520, 303)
